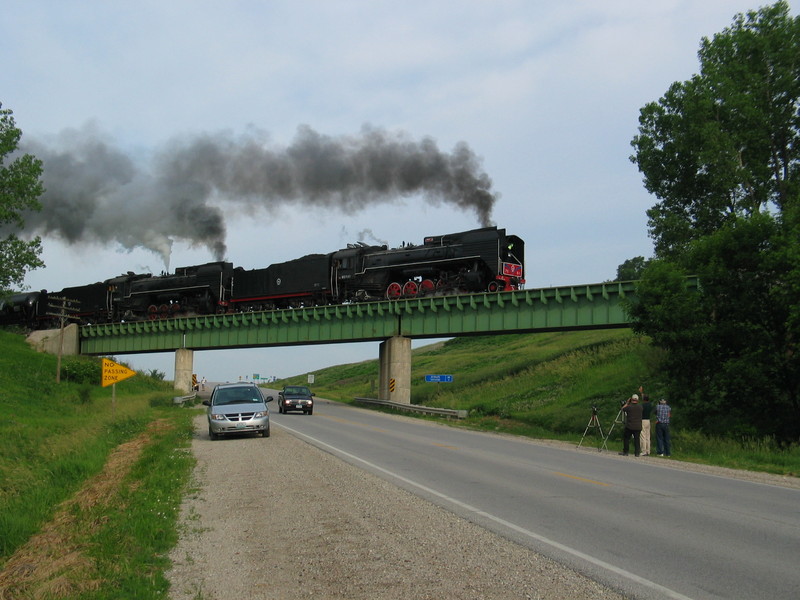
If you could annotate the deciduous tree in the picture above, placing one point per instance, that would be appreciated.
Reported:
(20, 188)
(721, 152)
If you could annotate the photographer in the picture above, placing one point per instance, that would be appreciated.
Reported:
(633, 425)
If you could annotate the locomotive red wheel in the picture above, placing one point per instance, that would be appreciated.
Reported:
(493, 286)
(394, 291)
(410, 288)
(152, 312)
(426, 286)
(173, 308)
(163, 310)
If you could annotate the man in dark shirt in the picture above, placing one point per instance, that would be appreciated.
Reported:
(633, 425)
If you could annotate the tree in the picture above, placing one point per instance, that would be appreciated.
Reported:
(726, 143)
(631, 269)
(20, 188)
(721, 152)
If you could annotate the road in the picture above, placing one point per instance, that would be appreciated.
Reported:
(636, 524)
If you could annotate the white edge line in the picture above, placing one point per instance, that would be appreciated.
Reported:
(577, 553)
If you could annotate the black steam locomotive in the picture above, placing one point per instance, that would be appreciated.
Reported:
(471, 261)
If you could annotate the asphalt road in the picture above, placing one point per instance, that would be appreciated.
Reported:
(636, 524)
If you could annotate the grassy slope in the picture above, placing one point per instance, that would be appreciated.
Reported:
(544, 382)
(54, 441)
(544, 385)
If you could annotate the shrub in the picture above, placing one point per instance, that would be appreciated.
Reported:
(81, 369)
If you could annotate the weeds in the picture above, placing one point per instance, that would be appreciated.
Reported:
(89, 495)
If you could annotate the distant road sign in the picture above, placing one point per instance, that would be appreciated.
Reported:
(112, 372)
(439, 378)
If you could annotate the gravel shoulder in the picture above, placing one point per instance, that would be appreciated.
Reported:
(278, 518)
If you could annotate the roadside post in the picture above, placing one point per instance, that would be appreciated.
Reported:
(112, 373)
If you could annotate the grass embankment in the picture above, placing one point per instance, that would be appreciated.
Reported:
(89, 493)
(545, 385)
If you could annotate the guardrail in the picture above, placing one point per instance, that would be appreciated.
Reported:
(429, 410)
(183, 399)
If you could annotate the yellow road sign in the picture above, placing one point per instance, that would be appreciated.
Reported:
(112, 372)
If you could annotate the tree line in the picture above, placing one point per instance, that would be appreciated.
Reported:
(721, 153)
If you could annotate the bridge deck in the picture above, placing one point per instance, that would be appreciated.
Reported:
(590, 306)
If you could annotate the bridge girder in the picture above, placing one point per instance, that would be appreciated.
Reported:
(392, 322)
(590, 306)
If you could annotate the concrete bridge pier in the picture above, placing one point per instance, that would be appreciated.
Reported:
(184, 365)
(395, 369)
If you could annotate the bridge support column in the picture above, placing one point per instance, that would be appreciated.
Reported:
(395, 369)
(184, 363)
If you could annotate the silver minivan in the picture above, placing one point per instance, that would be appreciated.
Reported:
(237, 408)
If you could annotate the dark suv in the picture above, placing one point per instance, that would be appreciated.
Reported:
(237, 408)
(296, 397)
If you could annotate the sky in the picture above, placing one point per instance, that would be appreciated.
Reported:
(134, 107)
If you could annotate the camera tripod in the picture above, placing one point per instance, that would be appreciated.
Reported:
(594, 421)
(620, 419)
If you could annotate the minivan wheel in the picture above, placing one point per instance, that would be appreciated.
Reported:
(212, 435)
(265, 433)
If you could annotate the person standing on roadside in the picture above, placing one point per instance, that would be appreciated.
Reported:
(647, 409)
(633, 425)
(663, 416)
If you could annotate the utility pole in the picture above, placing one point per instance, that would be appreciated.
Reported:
(63, 309)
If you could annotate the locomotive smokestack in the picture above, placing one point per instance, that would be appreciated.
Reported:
(97, 193)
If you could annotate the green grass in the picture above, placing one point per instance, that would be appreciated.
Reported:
(544, 386)
(55, 440)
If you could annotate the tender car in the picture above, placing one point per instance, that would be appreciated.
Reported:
(236, 408)
(296, 397)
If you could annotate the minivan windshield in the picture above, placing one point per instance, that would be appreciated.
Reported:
(237, 396)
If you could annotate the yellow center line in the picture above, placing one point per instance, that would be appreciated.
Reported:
(445, 446)
(582, 479)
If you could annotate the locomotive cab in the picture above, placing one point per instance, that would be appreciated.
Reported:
(347, 273)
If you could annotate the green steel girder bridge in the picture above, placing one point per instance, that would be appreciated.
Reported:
(392, 322)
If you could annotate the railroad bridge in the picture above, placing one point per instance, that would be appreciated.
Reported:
(394, 323)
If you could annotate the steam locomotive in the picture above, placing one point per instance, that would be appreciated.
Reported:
(483, 259)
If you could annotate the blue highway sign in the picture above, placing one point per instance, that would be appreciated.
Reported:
(439, 378)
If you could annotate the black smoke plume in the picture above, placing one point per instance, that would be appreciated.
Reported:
(97, 193)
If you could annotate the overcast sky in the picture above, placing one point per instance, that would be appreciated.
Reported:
(119, 97)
